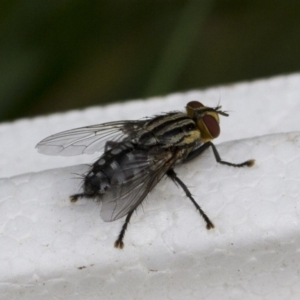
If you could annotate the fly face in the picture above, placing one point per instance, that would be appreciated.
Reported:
(137, 154)
(206, 119)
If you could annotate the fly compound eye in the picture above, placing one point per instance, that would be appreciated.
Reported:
(195, 104)
(212, 126)
(192, 107)
(209, 127)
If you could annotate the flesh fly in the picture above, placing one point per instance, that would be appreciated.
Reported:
(137, 154)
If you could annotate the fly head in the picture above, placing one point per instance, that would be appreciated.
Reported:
(206, 119)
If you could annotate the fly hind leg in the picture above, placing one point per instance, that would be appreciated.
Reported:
(119, 242)
(75, 197)
(171, 173)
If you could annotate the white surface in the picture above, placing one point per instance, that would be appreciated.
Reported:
(52, 249)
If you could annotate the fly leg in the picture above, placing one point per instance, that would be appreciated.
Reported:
(171, 173)
(119, 242)
(74, 198)
(201, 149)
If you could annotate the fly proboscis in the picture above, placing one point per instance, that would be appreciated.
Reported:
(137, 154)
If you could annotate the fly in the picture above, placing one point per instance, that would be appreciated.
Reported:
(137, 154)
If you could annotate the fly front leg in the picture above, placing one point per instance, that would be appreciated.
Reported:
(171, 173)
(202, 148)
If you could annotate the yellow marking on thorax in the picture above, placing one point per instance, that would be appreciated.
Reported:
(194, 136)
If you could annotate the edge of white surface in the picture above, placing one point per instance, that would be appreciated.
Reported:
(256, 108)
(175, 256)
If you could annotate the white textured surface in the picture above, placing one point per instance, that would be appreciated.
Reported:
(52, 249)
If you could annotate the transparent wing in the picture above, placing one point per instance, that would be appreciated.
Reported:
(88, 139)
(139, 174)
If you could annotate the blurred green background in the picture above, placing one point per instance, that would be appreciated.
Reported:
(57, 55)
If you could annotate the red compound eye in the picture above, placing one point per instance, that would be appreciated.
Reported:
(212, 126)
(195, 104)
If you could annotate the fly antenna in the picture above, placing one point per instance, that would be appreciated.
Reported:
(223, 113)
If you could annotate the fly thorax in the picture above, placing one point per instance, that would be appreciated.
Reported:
(171, 130)
(146, 138)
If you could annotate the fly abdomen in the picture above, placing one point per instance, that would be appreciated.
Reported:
(107, 171)
(96, 184)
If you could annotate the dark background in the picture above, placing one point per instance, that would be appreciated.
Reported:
(58, 55)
